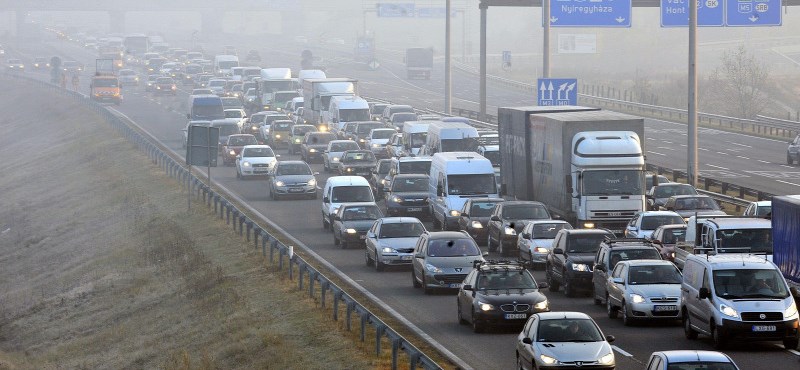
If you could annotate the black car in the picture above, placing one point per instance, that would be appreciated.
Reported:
(165, 85)
(357, 163)
(351, 223)
(569, 263)
(314, 143)
(508, 219)
(499, 294)
(475, 215)
(408, 196)
(377, 180)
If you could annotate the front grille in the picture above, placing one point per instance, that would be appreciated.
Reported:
(515, 307)
(451, 278)
(756, 316)
(405, 250)
(664, 299)
(260, 165)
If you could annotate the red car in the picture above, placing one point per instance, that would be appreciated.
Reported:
(234, 146)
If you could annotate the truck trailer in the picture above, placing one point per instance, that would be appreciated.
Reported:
(786, 236)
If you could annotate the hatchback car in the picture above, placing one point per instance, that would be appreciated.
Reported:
(292, 178)
(643, 224)
(690, 360)
(351, 223)
(443, 259)
(644, 290)
(563, 340)
(499, 294)
(333, 153)
(666, 237)
(150, 85)
(536, 240)
(233, 147)
(691, 205)
(390, 241)
(474, 216)
(760, 208)
(165, 85)
(507, 219)
(255, 160)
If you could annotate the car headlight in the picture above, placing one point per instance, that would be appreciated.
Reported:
(312, 183)
(547, 359)
(376, 145)
(454, 213)
(582, 267)
(361, 141)
(476, 225)
(383, 181)
(158, 87)
(278, 109)
(312, 150)
(791, 311)
(432, 268)
(232, 152)
(396, 199)
(542, 305)
(588, 225)
(351, 231)
(485, 306)
(174, 87)
(635, 298)
(607, 359)
(388, 250)
(509, 231)
(336, 159)
(686, 219)
(279, 183)
(245, 164)
(728, 311)
(254, 128)
(277, 136)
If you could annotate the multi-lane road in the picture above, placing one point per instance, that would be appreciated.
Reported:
(164, 117)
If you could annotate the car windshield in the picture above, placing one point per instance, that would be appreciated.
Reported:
(502, 280)
(353, 157)
(301, 130)
(653, 222)
(673, 236)
(343, 146)
(658, 274)
(481, 209)
(493, 156)
(409, 184)
(457, 145)
(347, 194)
(471, 184)
(349, 115)
(321, 139)
(633, 254)
(763, 210)
(749, 283)
(696, 203)
(281, 126)
(233, 114)
(666, 191)
(404, 117)
(378, 108)
(228, 130)
(453, 248)
(257, 152)
(361, 213)
(365, 128)
(417, 139)
(292, 169)
(612, 182)
(548, 231)
(242, 140)
(568, 330)
(586, 243)
(382, 134)
(701, 365)
(420, 167)
(401, 230)
(525, 212)
(745, 240)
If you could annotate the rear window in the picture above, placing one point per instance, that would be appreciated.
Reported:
(653, 222)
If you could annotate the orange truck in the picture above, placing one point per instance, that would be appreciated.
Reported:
(105, 86)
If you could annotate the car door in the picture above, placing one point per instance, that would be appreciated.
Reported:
(372, 240)
(631, 229)
(526, 352)
(524, 240)
(617, 290)
(600, 277)
(494, 226)
(465, 296)
(419, 258)
(463, 219)
(557, 259)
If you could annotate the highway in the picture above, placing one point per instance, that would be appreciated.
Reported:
(759, 160)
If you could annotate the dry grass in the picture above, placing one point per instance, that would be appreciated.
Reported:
(102, 267)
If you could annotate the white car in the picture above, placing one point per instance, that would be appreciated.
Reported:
(563, 339)
(643, 224)
(236, 113)
(333, 153)
(760, 208)
(536, 239)
(644, 290)
(255, 160)
(377, 139)
(390, 241)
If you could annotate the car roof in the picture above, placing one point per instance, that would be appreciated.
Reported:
(474, 200)
(448, 235)
(406, 175)
(400, 220)
(689, 196)
(733, 261)
(647, 262)
(741, 222)
(347, 180)
(256, 146)
(518, 202)
(293, 161)
(686, 355)
(585, 231)
(563, 315)
(672, 226)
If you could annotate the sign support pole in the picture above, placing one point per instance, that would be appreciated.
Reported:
(691, 166)
(448, 88)
(482, 88)
(546, 39)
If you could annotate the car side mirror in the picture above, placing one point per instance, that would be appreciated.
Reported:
(600, 267)
(556, 216)
(439, 191)
(467, 287)
(238, 156)
(316, 173)
(419, 255)
(463, 214)
(618, 281)
(370, 234)
(543, 285)
(656, 241)
(325, 200)
(495, 218)
(703, 293)
(610, 338)
(527, 340)
(526, 235)
(558, 251)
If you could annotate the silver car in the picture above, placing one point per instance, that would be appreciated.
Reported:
(690, 359)
(292, 178)
(391, 240)
(567, 340)
(333, 153)
(644, 290)
(443, 259)
(536, 239)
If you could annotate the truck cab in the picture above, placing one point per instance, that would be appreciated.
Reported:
(106, 88)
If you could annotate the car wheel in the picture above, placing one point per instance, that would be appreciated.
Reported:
(461, 320)
(368, 259)
(790, 343)
(789, 160)
(597, 300)
(335, 239)
(569, 290)
(553, 284)
(627, 318)
(379, 266)
(611, 311)
(343, 244)
(687, 327)
(324, 222)
(718, 340)
(476, 326)
(238, 175)
(425, 286)
(414, 278)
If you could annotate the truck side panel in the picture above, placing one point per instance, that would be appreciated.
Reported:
(786, 235)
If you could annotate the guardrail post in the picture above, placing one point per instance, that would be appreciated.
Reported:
(299, 272)
(323, 288)
(364, 317)
(241, 224)
(349, 313)
(235, 216)
(249, 225)
(228, 214)
(395, 349)
(280, 259)
(256, 233)
(413, 358)
(337, 296)
(311, 277)
(264, 243)
(379, 329)
(273, 243)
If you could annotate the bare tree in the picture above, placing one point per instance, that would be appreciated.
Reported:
(739, 84)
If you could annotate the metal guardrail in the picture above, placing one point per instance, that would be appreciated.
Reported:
(308, 277)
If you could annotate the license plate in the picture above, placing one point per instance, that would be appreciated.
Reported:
(415, 209)
(407, 258)
(293, 190)
(760, 328)
(362, 237)
(516, 316)
(457, 285)
(666, 308)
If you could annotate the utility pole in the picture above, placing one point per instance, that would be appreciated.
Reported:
(691, 166)
(546, 40)
(448, 88)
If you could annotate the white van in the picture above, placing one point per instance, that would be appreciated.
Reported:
(343, 189)
(345, 108)
(454, 177)
(450, 137)
(224, 63)
(737, 296)
(415, 134)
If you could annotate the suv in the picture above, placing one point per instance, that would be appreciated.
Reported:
(508, 219)
(569, 263)
(793, 152)
(613, 251)
(443, 259)
(480, 303)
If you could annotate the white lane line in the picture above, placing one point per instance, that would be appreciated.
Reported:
(656, 153)
(720, 131)
(665, 148)
(667, 142)
(711, 165)
(626, 354)
(795, 352)
(722, 153)
(762, 161)
(746, 146)
(742, 157)
(703, 149)
(783, 165)
(786, 182)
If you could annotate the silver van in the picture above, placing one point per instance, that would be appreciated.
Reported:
(737, 296)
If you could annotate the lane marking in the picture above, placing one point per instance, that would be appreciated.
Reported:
(711, 165)
(762, 161)
(663, 147)
(720, 131)
(656, 153)
(626, 354)
(783, 165)
(703, 149)
(667, 142)
(746, 146)
(786, 182)
(794, 352)
(722, 153)
(739, 156)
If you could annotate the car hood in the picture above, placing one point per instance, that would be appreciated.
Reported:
(294, 179)
(334, 154)
(542, 243)
(518, 224)
(503, 296)
(453, 264)
(656, 290)
(700, 212)
(359, 225)
(258, 160)
(359, 164)
(582, 258)
(644, 233)
(379, 141)
(574, 351)
(411, 195)
(405, 245)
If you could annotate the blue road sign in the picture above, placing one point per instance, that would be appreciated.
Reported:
(752, 13)
(675, 13)
(395, 10)
(557, 91)
(590, 13)
(432, 12)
